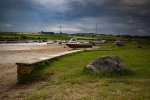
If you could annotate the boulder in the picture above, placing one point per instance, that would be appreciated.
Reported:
(107, 64)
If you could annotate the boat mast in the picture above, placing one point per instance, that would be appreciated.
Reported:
(59, 25)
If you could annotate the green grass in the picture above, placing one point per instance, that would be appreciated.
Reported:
(65, 78)
(35, 37)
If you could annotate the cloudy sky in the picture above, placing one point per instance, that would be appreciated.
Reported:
(111, 16)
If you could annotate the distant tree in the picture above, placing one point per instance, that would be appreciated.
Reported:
(39, 38)
(24, 37)
(17, 38)
(1, 37)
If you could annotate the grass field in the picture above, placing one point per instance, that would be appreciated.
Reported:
(65, 78)
(53, 37)
(34, 37)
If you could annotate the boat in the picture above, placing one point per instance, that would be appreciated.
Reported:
(74, 43)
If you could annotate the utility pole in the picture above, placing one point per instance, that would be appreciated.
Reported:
(104, 30)
(96, 28)
(60, 25)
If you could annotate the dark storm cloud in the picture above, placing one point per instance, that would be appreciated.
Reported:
(124, 15)
(23, 15)
(112, 16)
(113, 8)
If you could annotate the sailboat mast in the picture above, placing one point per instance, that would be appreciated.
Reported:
(60, 27)
(96, 28)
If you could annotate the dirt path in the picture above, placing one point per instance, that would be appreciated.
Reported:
(9, 55)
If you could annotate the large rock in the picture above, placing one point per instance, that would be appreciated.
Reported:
(106, 63)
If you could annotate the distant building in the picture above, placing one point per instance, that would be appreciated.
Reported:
(49, 33)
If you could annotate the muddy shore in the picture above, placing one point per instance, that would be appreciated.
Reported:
(12, 53)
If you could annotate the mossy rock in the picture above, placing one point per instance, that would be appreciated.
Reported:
(106, 64)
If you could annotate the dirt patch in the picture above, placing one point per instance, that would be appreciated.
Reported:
(9, 55)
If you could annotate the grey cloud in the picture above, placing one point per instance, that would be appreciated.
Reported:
(112, 16)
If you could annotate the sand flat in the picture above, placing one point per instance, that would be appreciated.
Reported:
(12, 53)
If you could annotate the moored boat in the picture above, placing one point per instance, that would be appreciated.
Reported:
(73, 43)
